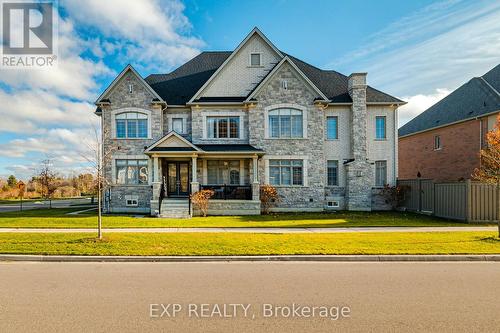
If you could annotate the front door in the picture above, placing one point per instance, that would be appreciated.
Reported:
(178, 179)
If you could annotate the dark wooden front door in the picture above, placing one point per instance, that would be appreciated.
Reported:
(177, 179)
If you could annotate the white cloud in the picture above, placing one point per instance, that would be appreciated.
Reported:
(51, 110)
(443, 45)
(418, 104)
(151, 34)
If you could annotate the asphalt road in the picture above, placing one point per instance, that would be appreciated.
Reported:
(11, 207)
(117, 297)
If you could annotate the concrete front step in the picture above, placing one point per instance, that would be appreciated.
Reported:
(175, 208)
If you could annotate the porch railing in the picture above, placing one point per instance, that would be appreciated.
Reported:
(230, 192)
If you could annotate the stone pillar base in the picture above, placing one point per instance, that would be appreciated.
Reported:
(255, 191)
(195, 187)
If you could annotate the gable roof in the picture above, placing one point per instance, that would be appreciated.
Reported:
(286, 59)
(255, 31)
(478, 97)
(186, 145)
(184, 84)
(127, 68)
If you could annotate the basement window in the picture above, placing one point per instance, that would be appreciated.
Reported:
(132, 200)
(333, 204)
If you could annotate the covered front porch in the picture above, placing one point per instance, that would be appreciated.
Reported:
(180, 168)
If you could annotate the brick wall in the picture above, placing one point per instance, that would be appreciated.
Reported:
(456, 159)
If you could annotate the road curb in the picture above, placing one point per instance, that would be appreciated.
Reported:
(296, 258)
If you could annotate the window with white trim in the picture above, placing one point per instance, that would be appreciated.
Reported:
(255, 59)
(380, 127)
(437, 142)
(286, 172)
(131, 125)
(286, 123)
(380, 173)
(131, 172)
(221, 172)
(332, 168)
(223, 127)
(332, 127)
(178, 125)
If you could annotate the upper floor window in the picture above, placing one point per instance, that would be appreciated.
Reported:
(332, 128)
(286, 172)
(285, 123)
(223, 127)
(131, 125)
(332, 173)
(132, 172)
(380, 173)
(255, 59)
(437, 142)
(178, 125)
(380, 127)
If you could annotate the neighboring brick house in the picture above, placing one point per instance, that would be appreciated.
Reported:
(443, 143)
(231, 121)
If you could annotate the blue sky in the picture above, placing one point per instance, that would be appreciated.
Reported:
(416, 50)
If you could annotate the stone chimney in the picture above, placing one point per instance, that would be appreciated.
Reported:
(359, 169)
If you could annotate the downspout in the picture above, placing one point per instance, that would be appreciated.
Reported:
(395, 146)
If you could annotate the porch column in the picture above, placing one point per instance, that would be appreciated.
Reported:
(155, 200)
(255, 184)
(195, 186)
(156, 170)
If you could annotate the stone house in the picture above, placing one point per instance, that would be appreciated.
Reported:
(444, 141)
(231, 121)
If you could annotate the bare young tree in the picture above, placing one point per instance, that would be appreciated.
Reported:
(489, 171)
(95, 156)
(48, 180)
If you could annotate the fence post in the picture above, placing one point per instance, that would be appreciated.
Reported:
(420, 195)
(468, 198)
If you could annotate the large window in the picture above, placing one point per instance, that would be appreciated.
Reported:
(223, 172)
(286, 172)
(333, 173)
(380, 173)
(332, 128)
(380, 127)
(223, 127)
(285, 123)
(131, 125)
(132, 172)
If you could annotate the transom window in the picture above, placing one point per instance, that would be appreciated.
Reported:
(131, 125)
(285, 123)
(380, 127)
(223, 127)
(223, 172)
(380, 173)
(333, 173)
(332, 128)
(255, 59)
(132, 172)
(286, 172)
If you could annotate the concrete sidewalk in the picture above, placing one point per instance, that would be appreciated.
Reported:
(276, 230)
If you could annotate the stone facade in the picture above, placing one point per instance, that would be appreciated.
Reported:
(359, 170)
(355, 149)
(298, 94)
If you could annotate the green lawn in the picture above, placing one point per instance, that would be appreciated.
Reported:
(251, 244)
(57, 218)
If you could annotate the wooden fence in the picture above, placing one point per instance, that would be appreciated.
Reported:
(466, 201)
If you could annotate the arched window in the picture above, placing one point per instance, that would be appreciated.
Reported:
(286, 123)
(131, 125)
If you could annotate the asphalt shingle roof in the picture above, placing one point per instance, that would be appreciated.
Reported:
(475, 98)
(177, 87)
